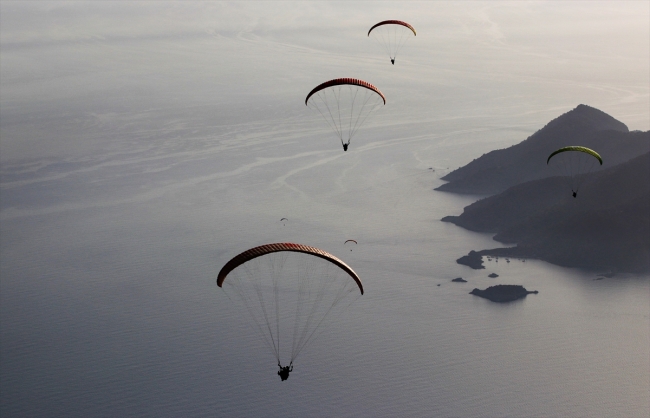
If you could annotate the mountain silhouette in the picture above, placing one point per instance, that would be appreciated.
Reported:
(606, 227)
(586, 126)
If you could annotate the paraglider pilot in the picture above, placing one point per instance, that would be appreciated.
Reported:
(575, 194)
(345, 146)
(392, 61)
(284, 371)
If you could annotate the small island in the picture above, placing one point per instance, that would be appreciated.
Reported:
(502, 293)
(473, 260)
(459, 280)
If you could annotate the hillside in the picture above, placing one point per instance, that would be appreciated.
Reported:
(606, 227)
(498, 170)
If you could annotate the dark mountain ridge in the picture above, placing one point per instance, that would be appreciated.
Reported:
(606, 227)
(498, 170)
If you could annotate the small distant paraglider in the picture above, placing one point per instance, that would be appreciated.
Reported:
(575, 162)
(283, 220)
(391, 35)
(350, 241)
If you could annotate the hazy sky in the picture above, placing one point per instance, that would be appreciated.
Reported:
(469, 59)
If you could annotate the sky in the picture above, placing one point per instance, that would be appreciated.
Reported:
(469, 59)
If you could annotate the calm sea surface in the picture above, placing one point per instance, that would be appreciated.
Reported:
(113, 309)
(132, 171)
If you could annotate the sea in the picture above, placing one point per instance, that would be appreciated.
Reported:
(134, 167)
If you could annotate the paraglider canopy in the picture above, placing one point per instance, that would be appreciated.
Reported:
(578, 149)
(344, 81)
(284, 246)
(393, 22)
